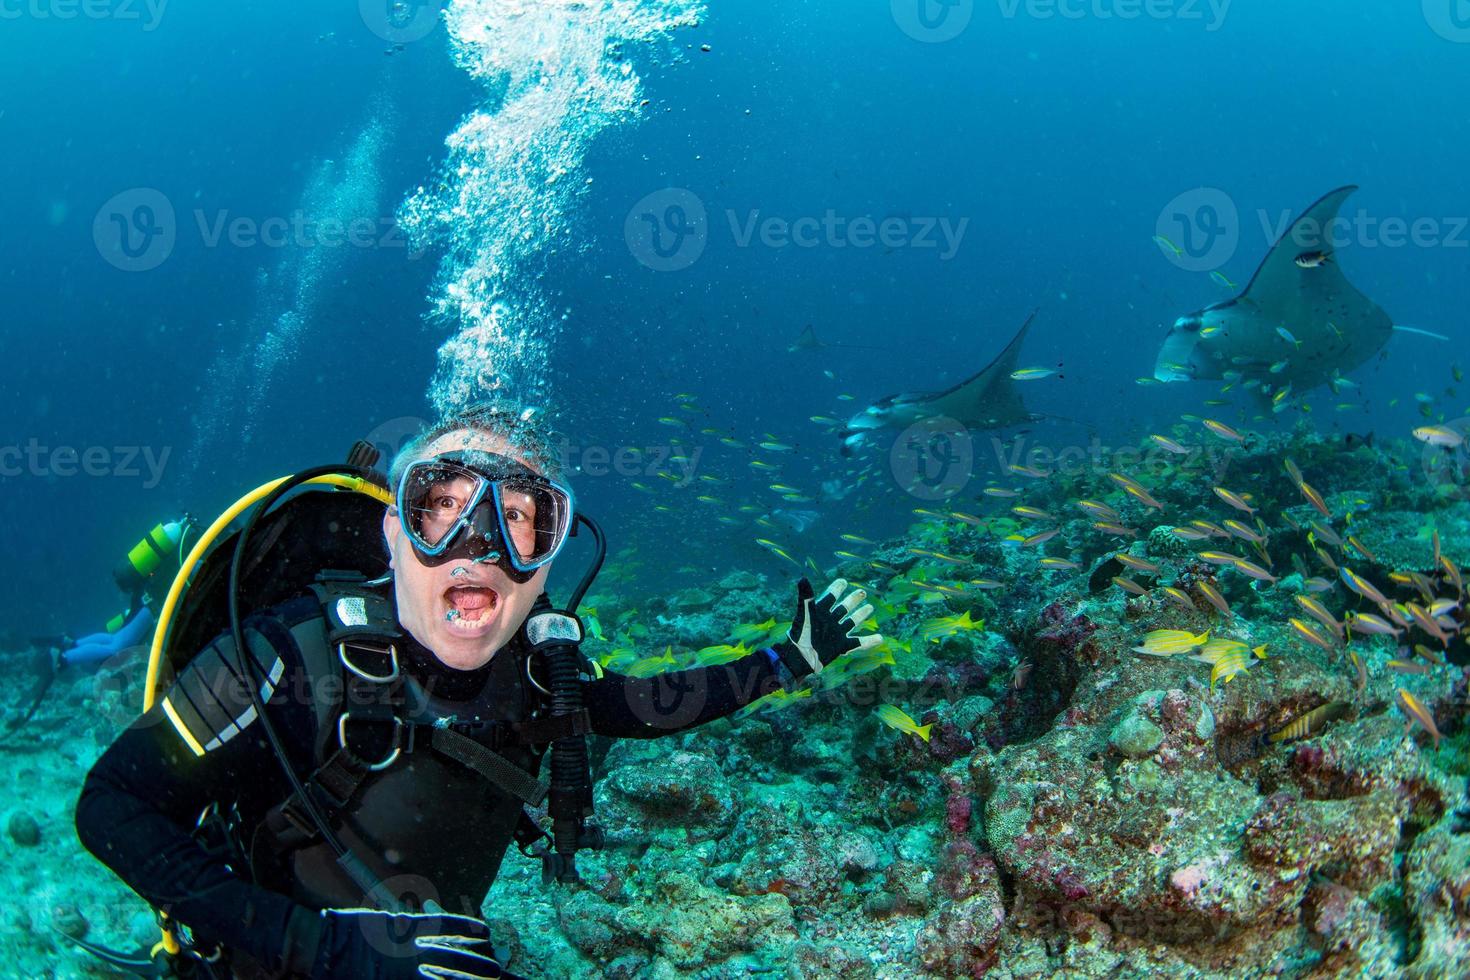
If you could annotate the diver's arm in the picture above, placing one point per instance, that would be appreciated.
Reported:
(648, 707)
(197, 746)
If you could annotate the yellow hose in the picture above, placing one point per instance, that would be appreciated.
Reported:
(181, 581)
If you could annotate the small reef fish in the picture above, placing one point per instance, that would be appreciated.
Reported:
(1143, 497)
(722, 654)
(1170, 445)
(936, 629)
(1115, 529)
(1244, 533)
(1234, 500)
(1362, 586)
(1222, 430)
(1306, 631)
(1215, 598)
(1370, 625)
(1417, 715)
(1168, 643)
(1128, 585)
(750, 632)
(1252, 570)
(1033, 472)
(1000, 492)
(1439, 435)
(1407, 667)
(1041, 538)
(1311, 723)
(1060, 563)
(896, 718)
(1034, 513)
(1314, 498)
(1031, 374)
(1137, 564)
(1319, 612)
(1180, 597)
(1099, 510)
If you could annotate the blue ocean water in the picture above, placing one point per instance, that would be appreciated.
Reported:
(1055, 136)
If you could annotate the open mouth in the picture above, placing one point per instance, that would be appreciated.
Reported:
(471, 605)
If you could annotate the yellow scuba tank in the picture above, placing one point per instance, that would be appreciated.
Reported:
(162, 547)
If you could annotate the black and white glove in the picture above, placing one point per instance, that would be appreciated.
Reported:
(368, 944)
(823, 628)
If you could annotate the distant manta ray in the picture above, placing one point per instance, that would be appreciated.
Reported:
(988, 400)
(1299, 316)
(808, 341)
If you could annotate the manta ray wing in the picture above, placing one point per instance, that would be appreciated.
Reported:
(986, 400)
(990, 399)
(1299, 315)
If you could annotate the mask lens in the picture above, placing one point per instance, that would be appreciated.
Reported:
(535, 516)
(435, 498)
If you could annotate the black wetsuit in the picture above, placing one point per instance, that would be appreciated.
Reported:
(142, 800)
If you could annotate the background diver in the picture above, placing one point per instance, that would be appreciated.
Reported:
(362, 772)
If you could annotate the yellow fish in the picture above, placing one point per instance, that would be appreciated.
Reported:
(1167, 643)
(722, 654)
(895, 717)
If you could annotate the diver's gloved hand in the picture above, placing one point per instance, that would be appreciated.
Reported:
(823, 628)
(368, 944)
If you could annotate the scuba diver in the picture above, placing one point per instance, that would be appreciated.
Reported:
(143, 575)
(336, 800)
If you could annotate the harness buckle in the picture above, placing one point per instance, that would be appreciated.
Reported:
(382, 673)
(396, 746)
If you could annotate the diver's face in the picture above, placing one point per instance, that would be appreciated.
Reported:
(462, 611)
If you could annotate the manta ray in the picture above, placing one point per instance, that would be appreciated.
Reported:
(987, 400)
(1298, 322)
